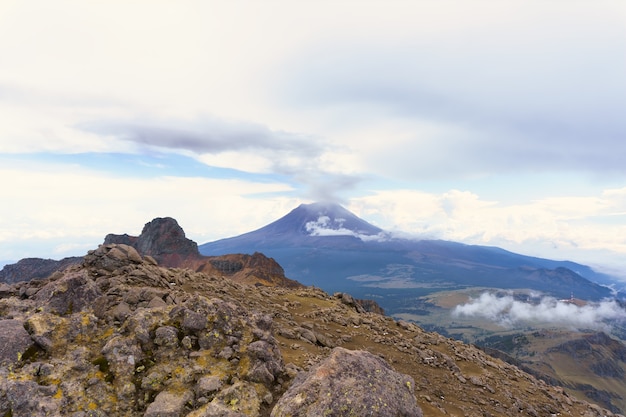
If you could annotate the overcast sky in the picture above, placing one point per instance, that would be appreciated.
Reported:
(485, 122)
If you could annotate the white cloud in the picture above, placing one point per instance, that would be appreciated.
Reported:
(324, 226)
(509, 312)
(37, 126)
(566, 227)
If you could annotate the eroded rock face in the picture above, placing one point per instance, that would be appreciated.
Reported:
(163, 239)
(165, 236)
(350, 383)
(34, 268)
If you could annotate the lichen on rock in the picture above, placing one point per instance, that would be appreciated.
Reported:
(350, 383)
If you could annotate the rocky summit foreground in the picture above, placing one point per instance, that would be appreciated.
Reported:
(119, 335)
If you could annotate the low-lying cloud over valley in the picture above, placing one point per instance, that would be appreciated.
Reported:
(510, 312)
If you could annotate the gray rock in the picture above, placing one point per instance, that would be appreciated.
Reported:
(288, 333)
(260, 373)
(208, 385)
(42, 328)
(72, 293)
(169, 404)
(6, 290)
(263, 321)
(348, 300)
(193, 321)
(27, 398)
(166, 336)
(14, 342)
(122, 355)
(121, 311)
(324, 340)
(308, 335)
(156, 302)
(240, 397)
(350, 383)
(226, 353)
(110, 257)
(266, 362)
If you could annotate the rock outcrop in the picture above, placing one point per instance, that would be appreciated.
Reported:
(15, 341)
(359, 305)
(163, 241)
(34, 268)
(350, 383)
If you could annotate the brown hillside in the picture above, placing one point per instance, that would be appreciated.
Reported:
(121, 335)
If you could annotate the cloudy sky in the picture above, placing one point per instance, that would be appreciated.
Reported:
(486, 122)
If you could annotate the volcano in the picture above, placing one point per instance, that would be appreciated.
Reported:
(308, 225)
(325, 245)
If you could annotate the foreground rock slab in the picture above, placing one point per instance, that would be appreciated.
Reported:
(350, 383)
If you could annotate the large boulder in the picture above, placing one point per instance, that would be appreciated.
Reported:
(73, 292)
(350, 383)
(110, 257)
(27, 398)
(14, 342)
(169, 404)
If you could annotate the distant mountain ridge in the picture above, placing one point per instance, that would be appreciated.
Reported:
(326, 245)
(34, 268)
(163, 240)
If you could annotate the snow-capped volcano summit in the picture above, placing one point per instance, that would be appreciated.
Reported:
(321, 219)
(303, 226)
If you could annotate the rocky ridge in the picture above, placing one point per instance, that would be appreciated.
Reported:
(164, 240)
(119, 334)
(34, 268)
